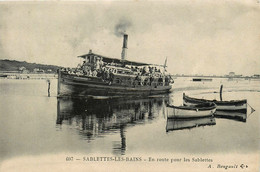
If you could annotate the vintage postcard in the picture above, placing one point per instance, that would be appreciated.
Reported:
(130, 86)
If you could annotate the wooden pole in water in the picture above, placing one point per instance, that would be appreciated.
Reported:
(49, 85)
(59, 80)
(221, 87)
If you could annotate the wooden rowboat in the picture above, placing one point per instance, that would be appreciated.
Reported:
(232, 105)
(193, 111)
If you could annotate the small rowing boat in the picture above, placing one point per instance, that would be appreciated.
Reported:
(193, 111)
(232, 105)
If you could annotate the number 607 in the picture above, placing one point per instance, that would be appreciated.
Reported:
(69, 158)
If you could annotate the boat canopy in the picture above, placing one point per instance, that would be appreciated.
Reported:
(115, 60)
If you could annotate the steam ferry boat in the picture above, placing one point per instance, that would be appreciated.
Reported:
(105, 76)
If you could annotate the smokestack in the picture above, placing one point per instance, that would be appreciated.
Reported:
(124, 49)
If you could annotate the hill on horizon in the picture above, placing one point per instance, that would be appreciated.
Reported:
(14, 65)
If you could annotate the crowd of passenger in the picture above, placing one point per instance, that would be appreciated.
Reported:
(107, 71)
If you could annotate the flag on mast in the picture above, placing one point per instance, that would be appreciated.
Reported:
(165, 62)
(164, 66)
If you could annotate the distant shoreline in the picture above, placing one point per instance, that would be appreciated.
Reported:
(28, 76)
(202, 76)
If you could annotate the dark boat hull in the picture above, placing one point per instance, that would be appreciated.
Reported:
(77, 86)
(233, 105)
(201, 79)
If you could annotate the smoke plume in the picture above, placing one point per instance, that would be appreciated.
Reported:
(121, 27)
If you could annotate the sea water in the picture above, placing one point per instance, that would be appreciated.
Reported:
(33, 124)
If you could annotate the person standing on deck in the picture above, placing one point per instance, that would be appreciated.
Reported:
(98, 64)
(111, 77)
(151, 80)
(101, 63)
(163, 80)
(94, 73)
(136, 80)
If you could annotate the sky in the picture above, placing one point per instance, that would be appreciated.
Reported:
(197, 37)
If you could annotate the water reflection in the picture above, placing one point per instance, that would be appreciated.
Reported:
(180, 124)
(95, 118)
(237, 116)
(188, 123)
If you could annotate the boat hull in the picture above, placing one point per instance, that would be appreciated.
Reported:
(238, 106)
(176, 112)
(78, 86)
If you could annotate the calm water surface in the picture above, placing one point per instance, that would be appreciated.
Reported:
(33, 124)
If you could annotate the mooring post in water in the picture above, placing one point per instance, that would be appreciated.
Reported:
(221, 87)
(49, 85)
